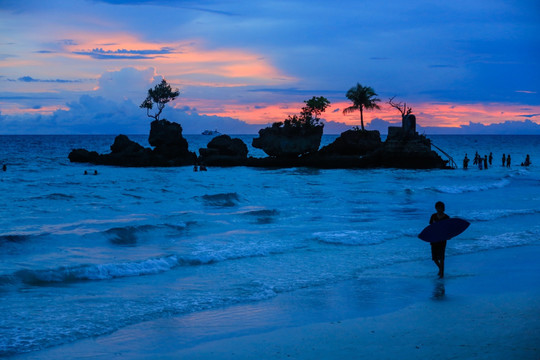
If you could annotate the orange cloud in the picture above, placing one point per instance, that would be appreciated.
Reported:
(428, 114)
(223, 66)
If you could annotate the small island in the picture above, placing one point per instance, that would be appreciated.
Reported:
(294, 142)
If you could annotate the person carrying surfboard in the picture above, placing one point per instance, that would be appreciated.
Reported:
(438, 248)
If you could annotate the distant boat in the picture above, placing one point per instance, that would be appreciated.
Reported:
(210, 132)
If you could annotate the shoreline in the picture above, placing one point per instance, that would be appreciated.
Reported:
(488, 307)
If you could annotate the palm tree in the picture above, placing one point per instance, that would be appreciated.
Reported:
(362, 97)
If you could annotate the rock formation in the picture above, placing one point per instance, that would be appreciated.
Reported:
(353, 142)
(222, 150)
(171, 149)
(289, 141)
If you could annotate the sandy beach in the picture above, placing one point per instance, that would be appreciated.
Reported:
(487, 307)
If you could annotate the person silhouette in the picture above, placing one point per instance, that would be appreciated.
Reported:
(465, 162)
(508, 161)
(527, 161)
(438, 248)
(504, 160)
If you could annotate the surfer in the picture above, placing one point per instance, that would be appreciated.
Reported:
(438, 248)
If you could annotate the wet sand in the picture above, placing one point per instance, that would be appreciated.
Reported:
(487, 307)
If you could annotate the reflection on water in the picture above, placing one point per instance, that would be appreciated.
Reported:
(439, 290)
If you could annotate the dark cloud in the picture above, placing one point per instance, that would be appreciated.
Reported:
(31, 79)
(188, 5)
(120, 54)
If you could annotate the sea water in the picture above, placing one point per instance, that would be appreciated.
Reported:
(86, 255)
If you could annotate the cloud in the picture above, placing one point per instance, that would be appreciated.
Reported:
(31, 79)
(122, 54)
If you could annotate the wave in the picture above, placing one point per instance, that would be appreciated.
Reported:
(96, 272)
(352, 237)
(54, 196)
(460, 189)
(221, 200)
(13, 238)
(263, 216)
(497, 214)
(128, 235)
(499, 241)
(262, 213)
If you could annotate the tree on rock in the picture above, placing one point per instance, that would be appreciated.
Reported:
(160, 95)
(314, 107)
(362, 97)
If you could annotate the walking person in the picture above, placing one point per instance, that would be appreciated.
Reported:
(438, 248)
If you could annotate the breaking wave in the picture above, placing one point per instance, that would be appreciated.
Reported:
(221, 200)
(470, 188)
(352, 237)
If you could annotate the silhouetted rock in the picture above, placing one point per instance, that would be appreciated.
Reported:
(289, 141)
(171, 149)
(222, 149)
(168, 141)
(353, 142)
(408, 153)
(122, 144)
(83, 156)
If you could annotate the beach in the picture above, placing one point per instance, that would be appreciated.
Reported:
(487, 307)
(137, 263)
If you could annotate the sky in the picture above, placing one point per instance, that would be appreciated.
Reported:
(85, 66)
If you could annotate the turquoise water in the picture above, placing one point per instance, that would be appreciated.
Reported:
(86, 255)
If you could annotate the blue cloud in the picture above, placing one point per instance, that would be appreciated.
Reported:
(31, 79)
(119, 54)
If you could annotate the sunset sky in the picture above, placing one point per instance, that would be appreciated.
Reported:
(84, 66)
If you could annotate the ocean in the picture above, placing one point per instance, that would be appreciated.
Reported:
(87, 255)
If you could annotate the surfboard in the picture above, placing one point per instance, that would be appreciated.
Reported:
(444, 230)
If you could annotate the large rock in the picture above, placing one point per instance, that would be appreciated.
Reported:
(406, 152)
(353, 142)
(224, 145)
(123, 145)
(224, 151)
(289, 141)
(83, 156)
(171, 149)
(168, 141)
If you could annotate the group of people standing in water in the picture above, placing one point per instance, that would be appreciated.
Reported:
(485, 162)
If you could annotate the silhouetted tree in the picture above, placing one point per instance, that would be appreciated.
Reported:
(160, 95)
(314, 107)
(308, 116)
(362, 97)
(402, 107)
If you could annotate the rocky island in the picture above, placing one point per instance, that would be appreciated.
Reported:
(294, 142)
